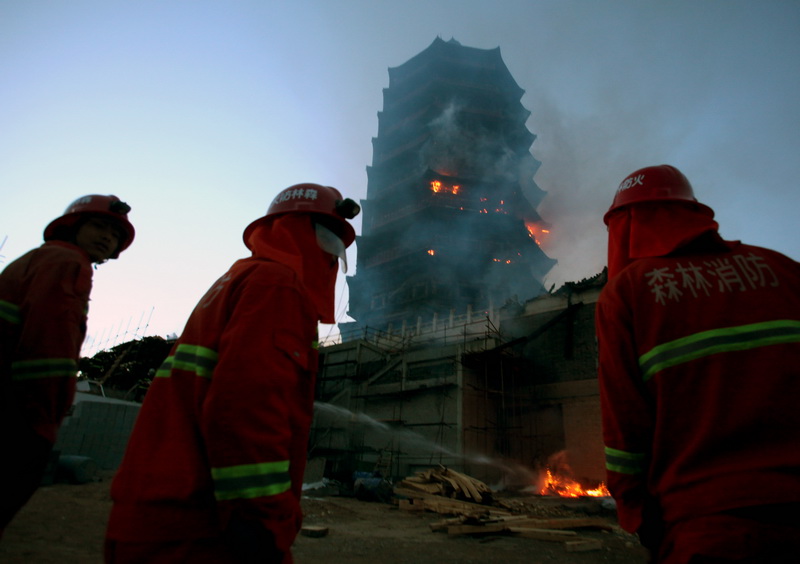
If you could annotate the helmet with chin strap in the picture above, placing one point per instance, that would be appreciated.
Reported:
(95, 205)
(663, 183)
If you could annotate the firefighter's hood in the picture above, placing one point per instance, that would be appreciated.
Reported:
(643, 231)
(292, 240)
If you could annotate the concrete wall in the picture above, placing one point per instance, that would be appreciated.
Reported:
(582, 447)
(98, 428)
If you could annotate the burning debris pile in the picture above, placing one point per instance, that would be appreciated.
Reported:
(447, 492)
(557, 479)
(566, 486)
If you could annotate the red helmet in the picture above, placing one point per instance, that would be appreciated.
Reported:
(312, 199)
(95, 205)
(663, 183)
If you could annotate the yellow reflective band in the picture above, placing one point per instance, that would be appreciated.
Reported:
(10, 312)
(190, 358)
(706, 343)
(44, 368)
(625, 462)
(248, 481)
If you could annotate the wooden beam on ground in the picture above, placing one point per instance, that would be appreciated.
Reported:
(542, 534)
(583, 545)
(445, 505)
(476, 529)
(566, 523)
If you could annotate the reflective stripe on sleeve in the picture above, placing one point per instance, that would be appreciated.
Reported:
(248, 481)
(43, 368)
(625, 462)
(10, 312)
(706, 343)
(191, 358)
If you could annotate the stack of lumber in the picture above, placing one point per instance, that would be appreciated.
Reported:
(418, 501)
(558, 530)
(446, 482)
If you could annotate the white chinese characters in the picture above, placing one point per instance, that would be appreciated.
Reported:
(737, 273)
(295, 194)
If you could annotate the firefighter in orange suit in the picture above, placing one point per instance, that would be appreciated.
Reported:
(699, 371)
(213, 470)
(44, 299)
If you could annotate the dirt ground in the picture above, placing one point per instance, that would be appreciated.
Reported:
(65, 524)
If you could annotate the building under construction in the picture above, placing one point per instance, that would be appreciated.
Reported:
(457, 355)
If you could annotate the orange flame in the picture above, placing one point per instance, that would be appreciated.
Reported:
(536, 232)
(567, 487)
(438, 186)
(431, 252)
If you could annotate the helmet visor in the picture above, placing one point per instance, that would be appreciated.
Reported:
(331, 243)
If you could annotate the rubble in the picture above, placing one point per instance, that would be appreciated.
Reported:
(473, 511)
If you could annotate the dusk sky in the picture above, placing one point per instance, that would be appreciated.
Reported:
(197, 113)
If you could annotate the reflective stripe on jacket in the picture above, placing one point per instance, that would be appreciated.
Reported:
(223, 429)
(715, 341)
(699, 372)
(44, 298)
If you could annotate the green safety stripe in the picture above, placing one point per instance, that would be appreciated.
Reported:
(248, 481)
(44, 368)
(625, 462)
(715, 341)
(191, 358)
(10, 312)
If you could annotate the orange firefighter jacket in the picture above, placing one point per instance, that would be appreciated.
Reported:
(699, 376)
(224, 427)
(44, 298)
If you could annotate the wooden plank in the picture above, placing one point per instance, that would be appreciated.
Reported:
(508, 519)
(476, 529)
(583, 545)
(542, 534)
(471, 486)
(567, 523)
(445, 508)
(461, 484)
(456, 505)
(470, 489)
(444, 523)
(453, 484)
(313, 531)
(424, 487)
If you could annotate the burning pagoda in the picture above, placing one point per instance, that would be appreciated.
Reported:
(449, 221)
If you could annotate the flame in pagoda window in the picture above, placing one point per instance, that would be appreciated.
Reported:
(536, 232)
(439, 187)
(486, 206)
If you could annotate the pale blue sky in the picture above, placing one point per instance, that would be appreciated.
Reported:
(197, 112)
